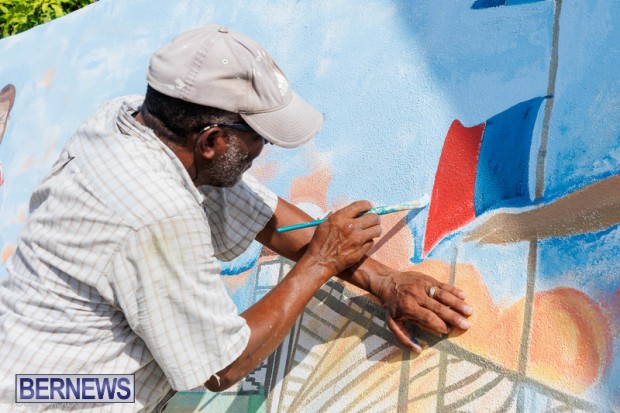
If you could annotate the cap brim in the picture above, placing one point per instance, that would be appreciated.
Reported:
(288, 127)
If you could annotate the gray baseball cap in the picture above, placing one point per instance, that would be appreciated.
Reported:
(217, 67)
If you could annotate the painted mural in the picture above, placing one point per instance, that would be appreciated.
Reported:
(506, 113)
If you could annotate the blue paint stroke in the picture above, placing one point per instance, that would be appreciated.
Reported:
(502, 178)
(243, 262)
(575, 183)
(418, 233)
(593, 253)
(485, 4)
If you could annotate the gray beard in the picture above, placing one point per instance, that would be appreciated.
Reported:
(226, 170)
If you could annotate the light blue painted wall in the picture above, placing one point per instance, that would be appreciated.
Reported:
(390, 77)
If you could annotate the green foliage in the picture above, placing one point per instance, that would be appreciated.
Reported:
(19, 15)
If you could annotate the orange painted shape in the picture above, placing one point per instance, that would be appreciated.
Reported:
(570, 340)
(6, 253)
(570, 344)
(312, 188)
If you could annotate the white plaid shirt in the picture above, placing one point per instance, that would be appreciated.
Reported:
(116, 269)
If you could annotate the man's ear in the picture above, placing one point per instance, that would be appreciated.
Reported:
(211, 143)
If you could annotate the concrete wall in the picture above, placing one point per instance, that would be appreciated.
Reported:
(506, 113)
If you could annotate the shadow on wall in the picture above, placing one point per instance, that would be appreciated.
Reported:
(341, 357)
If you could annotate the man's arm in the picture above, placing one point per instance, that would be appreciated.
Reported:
(339, 242)
(403, 294)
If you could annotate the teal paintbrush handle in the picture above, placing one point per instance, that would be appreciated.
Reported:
(300, 226)
(380, 210)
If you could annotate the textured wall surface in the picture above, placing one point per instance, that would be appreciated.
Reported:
(505, 112)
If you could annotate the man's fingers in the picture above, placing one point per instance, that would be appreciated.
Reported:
(367, 221)
(433, 332)
(356, 208)
(446, 314)
(454, 302)
(372, 232)
(402, 334)
(435, 307)
(453, 290)
(366, 247)
(426, 317)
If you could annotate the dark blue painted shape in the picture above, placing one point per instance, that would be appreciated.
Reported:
(485, 4)
(503, 163)
(518, 2)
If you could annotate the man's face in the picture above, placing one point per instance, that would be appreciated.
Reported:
(226, 169)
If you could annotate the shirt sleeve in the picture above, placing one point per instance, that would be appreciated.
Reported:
(237, 214)
(167, 282)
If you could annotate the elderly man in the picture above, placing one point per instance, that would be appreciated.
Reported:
(117, 268)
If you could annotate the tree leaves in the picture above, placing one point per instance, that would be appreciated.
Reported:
(19, 15)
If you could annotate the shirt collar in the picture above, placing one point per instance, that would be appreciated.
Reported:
(130, 126)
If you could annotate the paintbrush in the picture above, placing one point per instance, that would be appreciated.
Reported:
(380, 210)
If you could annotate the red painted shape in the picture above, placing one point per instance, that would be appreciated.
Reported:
(452, 201)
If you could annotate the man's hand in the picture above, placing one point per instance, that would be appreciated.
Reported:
(345, 237)
(405, 296)
(341, 242)
(338, 243)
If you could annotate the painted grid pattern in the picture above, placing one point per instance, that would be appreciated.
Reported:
(320, 376)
